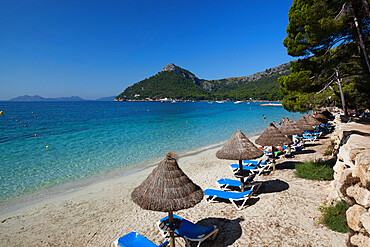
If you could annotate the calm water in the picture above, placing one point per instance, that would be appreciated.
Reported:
(87, 139)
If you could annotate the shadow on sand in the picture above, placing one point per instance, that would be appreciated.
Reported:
(305, 151)
(272, 186)
(312, 144)
(228, 231)
(287, 165)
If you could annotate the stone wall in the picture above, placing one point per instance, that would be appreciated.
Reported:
(352, 178)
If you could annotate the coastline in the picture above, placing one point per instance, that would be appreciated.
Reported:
(285, 212)
(19, 203)
(15, 204)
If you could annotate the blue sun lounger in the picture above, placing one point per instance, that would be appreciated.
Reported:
(235, 167)
(309, 138)
(190, 232)
(254, 169)
(134, 239)
(212, 195)
(225, 183)
(252, 162)
(256, 162)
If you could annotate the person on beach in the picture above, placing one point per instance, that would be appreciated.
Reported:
(274, 123)
(280, 122)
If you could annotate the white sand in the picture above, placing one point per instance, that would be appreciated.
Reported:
(283, 214)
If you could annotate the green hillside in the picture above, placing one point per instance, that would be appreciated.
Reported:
(166, 84)
(177, 83)
(266, 88)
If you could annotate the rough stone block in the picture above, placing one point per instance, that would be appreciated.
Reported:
(360, 240)
(360, 194)
(353, 217)
(365, 220)
(362, 168)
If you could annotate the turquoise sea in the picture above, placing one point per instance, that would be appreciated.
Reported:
(89, 139)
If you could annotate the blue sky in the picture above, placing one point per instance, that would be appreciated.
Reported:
(97, 48)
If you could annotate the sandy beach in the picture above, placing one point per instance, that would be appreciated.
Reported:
(282, 213)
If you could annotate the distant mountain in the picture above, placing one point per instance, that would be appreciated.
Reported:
(39, 98)
(177, 83)
(110, 98)
(172, 82)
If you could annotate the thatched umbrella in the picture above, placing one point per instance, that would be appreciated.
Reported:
(167, 189)
(313, 121)
(273, 137)
(239, 147)
(290, 128)
(303, 124)
(322, 118)
(327, 114)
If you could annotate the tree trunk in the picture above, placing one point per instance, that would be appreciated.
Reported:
(360, 40)
(339, 82)
(366, 7)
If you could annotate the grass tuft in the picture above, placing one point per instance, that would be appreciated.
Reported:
(330, 148)
(316, 170)
(334, 216)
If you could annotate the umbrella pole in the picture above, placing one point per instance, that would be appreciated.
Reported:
(172, 234)
(273, 158)
(242, 173)
(289, 149)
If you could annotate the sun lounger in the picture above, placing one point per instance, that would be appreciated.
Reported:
(309, 138)
(275, 152)
(255, 162)
(225, 183)
(190, 232)
(134, 239)
(211, 195)
(253, 169)
(249, 164)
(235, 167)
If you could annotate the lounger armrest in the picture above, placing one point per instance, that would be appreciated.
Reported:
(163, 244)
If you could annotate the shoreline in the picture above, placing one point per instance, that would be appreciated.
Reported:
(17, 203)
(61, 190)
(283, 212)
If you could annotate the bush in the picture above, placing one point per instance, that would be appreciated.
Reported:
(330, 148)
(316, 170)
(334, 216)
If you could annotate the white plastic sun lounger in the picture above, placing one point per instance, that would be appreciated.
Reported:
(190, 232)
(212, 195)
(226, 183)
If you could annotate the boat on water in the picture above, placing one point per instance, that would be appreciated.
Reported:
(164, 100)
(238, 102)
(271, 104)
(174, 101)
(220, 101)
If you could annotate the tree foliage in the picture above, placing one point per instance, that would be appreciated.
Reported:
(324, 33)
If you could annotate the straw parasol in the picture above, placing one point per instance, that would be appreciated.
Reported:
(273, 137)
(239, 147)
(322, 118)
(313, 121)
(167, 189)
(290, 128)
(303, 124)
(327, 114)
